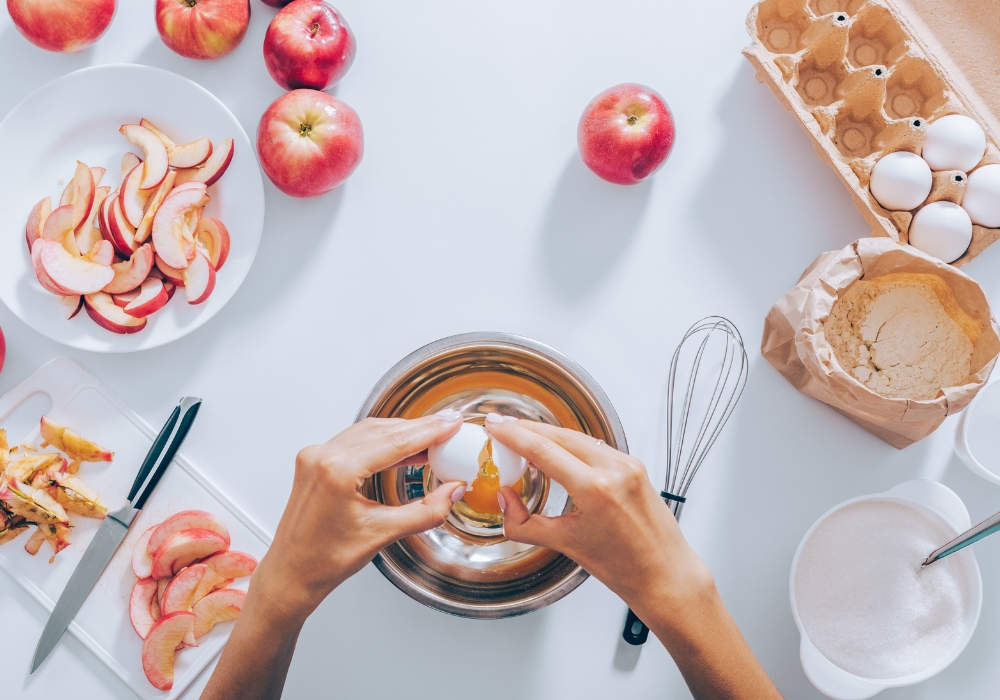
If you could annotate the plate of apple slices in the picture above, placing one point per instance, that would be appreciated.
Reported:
(136, 210)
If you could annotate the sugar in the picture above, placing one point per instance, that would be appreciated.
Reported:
(863, 599)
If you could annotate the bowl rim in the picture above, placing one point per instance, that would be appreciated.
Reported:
(488, 610)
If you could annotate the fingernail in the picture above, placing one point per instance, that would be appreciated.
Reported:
(449, 415)
(494, 418)
(457, 494)
(509, 419)
(502, 502)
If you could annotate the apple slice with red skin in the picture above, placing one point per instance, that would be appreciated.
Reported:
(75, 274)
(129, 161)
(126, 298)
(102, 216)
(168, 142)
(199, 279)
(106, 314)
(161, 585)
(213, 168)
(183, 548)
(98, 174)
(133, 199)
(231, 564)
(213, 237)
(190, 155)
(175, 224)
(171, 273)
(59, 228)
(75, 446)
(211, 581)
(36, 221)
(159, 646)
(171, 288)
(186, 520)
(131, 273)
(79, 194)
(142, 563)
(217, 607)
(145, 226)
(152, 297)
(188, 186)
(140, 606)
(179, 593)
(122, 233)
(90, 233)
(43, 278)
(70, 305)
(155, 162)
(102, 253)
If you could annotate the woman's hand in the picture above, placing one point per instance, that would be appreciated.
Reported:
(623, 533)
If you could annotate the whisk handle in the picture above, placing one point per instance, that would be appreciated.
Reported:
(635, 632)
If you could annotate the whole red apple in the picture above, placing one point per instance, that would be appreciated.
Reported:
(202, 28)
(309, 142)
(308, 45)
(66, 26)
(626, 133)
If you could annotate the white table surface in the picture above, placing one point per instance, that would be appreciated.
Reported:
(472, 211)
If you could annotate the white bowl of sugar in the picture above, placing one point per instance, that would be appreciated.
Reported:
(869, 617)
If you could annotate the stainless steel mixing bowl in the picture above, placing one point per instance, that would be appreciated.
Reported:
(467, 567)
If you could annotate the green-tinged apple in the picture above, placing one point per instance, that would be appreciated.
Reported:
(202, 28)
(308, 45)
(309, 142)
(66, 26)
(626, 133)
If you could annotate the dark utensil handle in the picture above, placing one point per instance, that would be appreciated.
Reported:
(165, 446)
(635, 632)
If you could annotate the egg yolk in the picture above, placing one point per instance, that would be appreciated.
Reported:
(482, 495)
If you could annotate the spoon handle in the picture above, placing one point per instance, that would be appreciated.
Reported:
(983, 529)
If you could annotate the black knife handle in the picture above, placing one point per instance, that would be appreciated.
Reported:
(635, 631)
(161, 454)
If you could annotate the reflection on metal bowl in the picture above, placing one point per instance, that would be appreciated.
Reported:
(467, 567)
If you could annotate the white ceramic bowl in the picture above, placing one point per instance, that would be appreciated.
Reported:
(977, 439)
(76, 117)
(944, 505)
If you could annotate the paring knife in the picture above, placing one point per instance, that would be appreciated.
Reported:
(115, 527)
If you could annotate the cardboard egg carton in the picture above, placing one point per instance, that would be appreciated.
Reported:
(866, 77)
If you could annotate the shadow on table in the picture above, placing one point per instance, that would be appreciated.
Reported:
(27, 67)
(587, 229)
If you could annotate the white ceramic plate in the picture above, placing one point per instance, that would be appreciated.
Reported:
(76, 117)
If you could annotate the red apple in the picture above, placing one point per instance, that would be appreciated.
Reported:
(185, 520)
(159, 645)
(184, 548)
(308, 45)
(309, 142)
(276, 3)
(626, 133)
(66, 26)
(202, 28)
(140, 606)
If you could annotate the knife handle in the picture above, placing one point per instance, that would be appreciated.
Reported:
(165, 446)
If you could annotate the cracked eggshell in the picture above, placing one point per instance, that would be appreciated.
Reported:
(457, 459)
(510, 464)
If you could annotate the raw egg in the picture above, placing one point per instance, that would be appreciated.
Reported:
(982, 196)
(473, 457)
(942, 229)
(954, 142)
(901, 181)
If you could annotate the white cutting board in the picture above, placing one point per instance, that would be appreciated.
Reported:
(82, 403)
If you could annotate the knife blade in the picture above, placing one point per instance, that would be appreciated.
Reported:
(115, 527)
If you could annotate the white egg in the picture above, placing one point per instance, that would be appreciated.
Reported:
(954, 142)
(982, 196)
(901, 181)
(941, 229)
(457, 459)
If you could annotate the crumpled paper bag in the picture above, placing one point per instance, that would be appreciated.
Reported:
(795, 344)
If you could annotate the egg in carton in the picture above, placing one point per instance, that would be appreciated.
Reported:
(867, 77)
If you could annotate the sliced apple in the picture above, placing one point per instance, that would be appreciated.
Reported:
(102, 253)
(70, 305)
(74, 274)
(172, 274)
(155, 162)
(161, 585)
(217, 607)
(59, 228)
(122, 232)
(131, 273)
(43, 277)
(189, 186)
(211, 581)
(152, 297)
(133, 199)
(34, 542)
(199, 279)
(231, 564)
(77, 447)
(124, 299)
(97, 174)
(79, 194)
(142, 563)
(190, 155)
(36, 221)
(129, 161)
(175, 224)
(212, 238)
(102, 309)
(90, 233)
(159, 646)
(145, 226)
(179, 593)
(170, 287)
(160, 134)
(213, 168)
(187, 520)
(103, 213)
(184, 548)
(140, 604)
